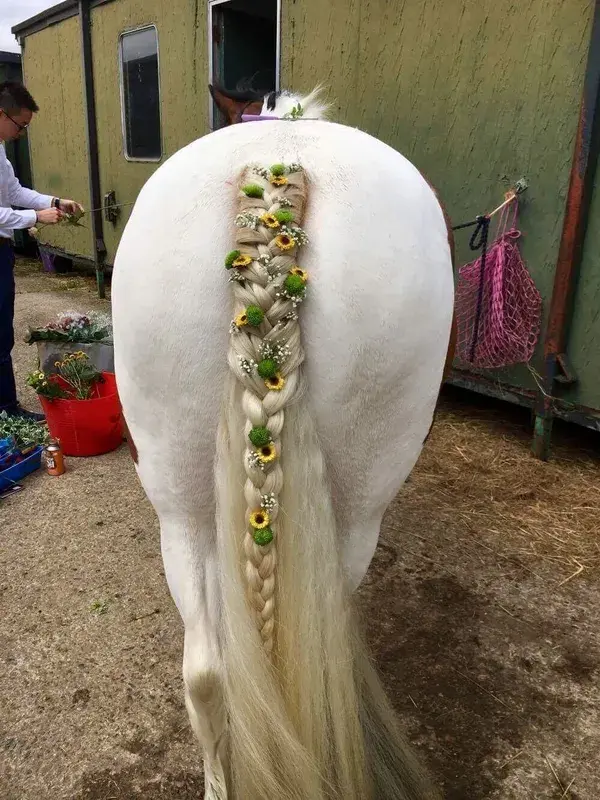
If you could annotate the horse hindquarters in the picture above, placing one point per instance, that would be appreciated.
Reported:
(306, 723)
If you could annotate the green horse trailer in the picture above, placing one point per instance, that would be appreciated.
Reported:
(477, 95)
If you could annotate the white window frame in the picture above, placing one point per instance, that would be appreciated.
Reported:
(122, 95)
(211, 74)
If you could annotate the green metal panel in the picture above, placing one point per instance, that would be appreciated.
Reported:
(320, 44)
(53, 73)
(476, 94)
(183, 63)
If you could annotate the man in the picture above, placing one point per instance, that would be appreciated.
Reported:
(17, 107)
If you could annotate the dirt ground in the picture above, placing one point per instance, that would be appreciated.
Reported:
(483, 601)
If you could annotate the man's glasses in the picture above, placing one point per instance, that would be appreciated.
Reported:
(14, 122)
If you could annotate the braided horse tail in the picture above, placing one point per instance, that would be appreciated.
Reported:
(307, 717)
(266, 360)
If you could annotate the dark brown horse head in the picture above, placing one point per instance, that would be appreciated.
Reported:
(233, 104)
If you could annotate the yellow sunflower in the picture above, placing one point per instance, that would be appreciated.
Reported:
(278, 180)
(259, 519)
(242, 261)
(266, 454)
(301, 273)
(241, 319)
(284, 242)
(270, 221)
(276, 383)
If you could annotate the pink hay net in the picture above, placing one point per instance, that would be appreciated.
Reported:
(506, 329)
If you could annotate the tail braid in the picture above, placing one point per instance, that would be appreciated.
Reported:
(265, 355)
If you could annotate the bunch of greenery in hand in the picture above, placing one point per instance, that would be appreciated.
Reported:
(68, 212)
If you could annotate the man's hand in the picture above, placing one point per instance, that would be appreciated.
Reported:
(49, 216)
(71, 207)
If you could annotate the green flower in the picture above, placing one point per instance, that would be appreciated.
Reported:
(283, 216)
(231, 257)
(267, 368)
(253, 190)
(255, 315)
(260, 436)
(262, 537)
(294, 285)
(278, 169)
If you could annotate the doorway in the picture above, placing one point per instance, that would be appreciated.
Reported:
(243, 47)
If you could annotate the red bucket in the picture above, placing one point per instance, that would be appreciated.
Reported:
(87, 427)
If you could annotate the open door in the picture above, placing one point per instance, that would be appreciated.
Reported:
(244, 47)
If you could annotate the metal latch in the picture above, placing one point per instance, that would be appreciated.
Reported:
(111, 209)
(565, 373)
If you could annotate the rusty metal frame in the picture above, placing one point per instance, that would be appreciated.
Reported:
(579, 196)
(580, 415)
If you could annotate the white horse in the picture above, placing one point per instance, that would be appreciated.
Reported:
(270, 477)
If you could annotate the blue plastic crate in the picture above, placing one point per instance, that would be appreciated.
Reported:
(18, 471)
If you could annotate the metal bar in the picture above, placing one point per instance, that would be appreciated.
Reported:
(490, 387)
(511, 196)
(579, 196)
(92, 146)
(580, 415)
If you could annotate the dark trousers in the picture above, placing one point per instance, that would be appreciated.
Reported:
(8, 392)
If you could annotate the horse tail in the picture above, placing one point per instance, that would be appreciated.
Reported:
(307, 717)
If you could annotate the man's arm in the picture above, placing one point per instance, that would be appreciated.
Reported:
(26, 198)
(17, 220)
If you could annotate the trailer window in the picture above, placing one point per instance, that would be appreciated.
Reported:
(140, 96)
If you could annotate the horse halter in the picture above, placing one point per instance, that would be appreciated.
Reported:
(256, 117)
(248, 117)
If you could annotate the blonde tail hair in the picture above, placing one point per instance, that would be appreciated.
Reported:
(307, 717)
